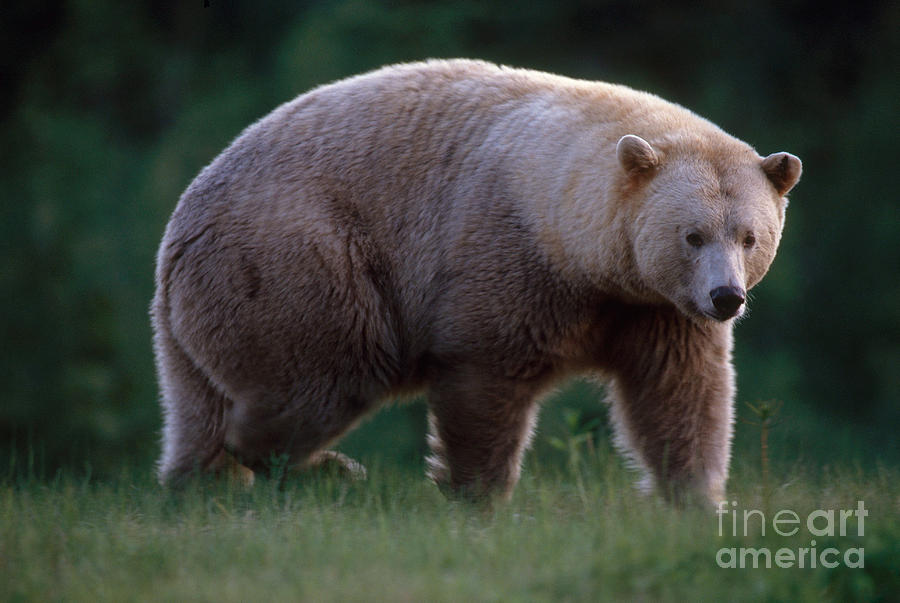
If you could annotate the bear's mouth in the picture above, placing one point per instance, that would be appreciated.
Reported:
(724, 316)
(693, 309)
(720, 316)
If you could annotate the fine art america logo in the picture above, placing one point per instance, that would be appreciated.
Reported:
(819, 523)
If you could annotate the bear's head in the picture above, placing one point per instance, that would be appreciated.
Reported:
(709, 219)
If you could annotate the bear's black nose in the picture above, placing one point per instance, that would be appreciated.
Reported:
(727, 300)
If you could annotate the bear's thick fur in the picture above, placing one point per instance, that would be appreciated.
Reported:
(478, 233)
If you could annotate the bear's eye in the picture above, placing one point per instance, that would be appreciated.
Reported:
(694, 240)
(749, 241)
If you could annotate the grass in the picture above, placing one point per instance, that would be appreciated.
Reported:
(574, 531)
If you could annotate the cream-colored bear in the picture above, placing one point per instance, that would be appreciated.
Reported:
(478, 233)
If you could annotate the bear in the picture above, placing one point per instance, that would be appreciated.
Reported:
(476, 233)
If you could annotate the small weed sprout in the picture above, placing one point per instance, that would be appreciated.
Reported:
(579, 435)
(766, 413)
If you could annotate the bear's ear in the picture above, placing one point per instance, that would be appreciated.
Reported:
(635, 154)
(783, 170)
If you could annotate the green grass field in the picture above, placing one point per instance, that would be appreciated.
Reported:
(574, 531)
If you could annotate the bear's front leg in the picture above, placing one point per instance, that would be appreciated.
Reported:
(479, 428)
(672, 406)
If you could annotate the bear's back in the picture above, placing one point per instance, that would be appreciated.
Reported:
(401, 194)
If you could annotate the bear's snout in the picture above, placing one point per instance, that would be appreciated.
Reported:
(727, 300)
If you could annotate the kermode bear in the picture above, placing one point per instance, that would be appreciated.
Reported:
(477, 233)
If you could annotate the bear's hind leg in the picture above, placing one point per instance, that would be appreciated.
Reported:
(332, 460)
(479, 429)
(193, 430)
(266, 434)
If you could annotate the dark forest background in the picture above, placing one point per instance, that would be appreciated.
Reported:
(109, 109)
